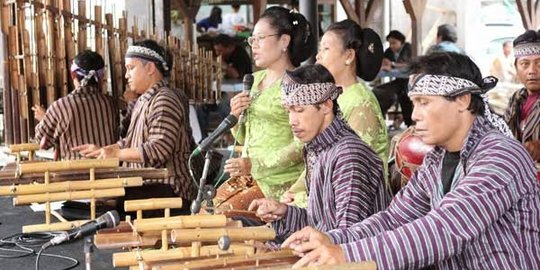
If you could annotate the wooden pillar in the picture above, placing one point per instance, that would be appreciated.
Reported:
(416, 8)
(529, 9)
(189, 10)
(258, 8)
(349, 10)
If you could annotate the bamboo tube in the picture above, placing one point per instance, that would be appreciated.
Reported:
(261, 233)
(132, 258)
(180, 222)
(71, 186)
(12, 49)
(15, 148)
(68, 32)
(51, 83)
(81, 34)
(69, 195)
(60, 226)
(152, 204)
(56, 166)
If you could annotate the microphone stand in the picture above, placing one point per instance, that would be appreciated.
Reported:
(205, 192)
(88, 249)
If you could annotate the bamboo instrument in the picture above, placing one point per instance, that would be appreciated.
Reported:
(60, 226)
(68, 32)
(68, 195)
(180, 222)
(261, 233)
(71, 186)
(55, 166)
(12, 48)
(81, 34)
(152, 204)
(133, 258)
(60, 52)
(7, 176)
(16, 148)
(52, 67)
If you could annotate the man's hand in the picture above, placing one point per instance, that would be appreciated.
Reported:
(39, 112)
(86, 149)
(238, 167)
(533, 147)
(314, 247)
(268, 210)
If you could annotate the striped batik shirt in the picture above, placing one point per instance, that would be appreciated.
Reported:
(160, 129)
(528, 129)
(85, 116)
(490, 219)
(345, 180)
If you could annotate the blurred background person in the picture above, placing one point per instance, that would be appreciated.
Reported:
(503, 66)
(446, 40)
(233, 21)
(212, 22)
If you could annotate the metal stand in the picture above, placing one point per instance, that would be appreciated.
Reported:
(88, 249)
(206, 192)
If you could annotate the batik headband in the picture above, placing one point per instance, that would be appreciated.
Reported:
(447, 86)
(87, 74)
(293, 93)
(527, 49)
(147, 54)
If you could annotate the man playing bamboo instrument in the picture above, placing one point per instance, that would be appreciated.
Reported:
(523, 112)
(159, 134)
(473, 204)
(84, 116)
(344, 175)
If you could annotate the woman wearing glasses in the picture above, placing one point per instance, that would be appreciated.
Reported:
(281, 40)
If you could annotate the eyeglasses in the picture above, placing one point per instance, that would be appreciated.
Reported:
(251, 40)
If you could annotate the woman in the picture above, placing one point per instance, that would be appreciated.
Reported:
(281, 41)
(349, 52)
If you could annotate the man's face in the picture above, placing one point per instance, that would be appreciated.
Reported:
(528, 72)
(306, 121)
(137, 74)
(436, 119)
(395, 44)
(221, 50)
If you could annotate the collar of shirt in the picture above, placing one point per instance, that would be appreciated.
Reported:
(479, 128)
(152, 91)
(89, 89)
(328, 137)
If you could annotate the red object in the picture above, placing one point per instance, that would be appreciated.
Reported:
(410, 152)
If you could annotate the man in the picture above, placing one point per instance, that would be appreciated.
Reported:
(396, 58)
(446, 40)
(503, 67)
(344, 176)
(159, 134)
(85, 116)
(523, 112)
(473, 204)
(236, 64)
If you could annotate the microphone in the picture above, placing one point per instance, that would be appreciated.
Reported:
(225, 125)
(107, 220)
(248, 83)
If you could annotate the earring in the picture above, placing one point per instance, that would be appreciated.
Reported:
(348, 62)
(284, 49)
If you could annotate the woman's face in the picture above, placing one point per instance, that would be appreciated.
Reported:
(332, 55)
(268, 47)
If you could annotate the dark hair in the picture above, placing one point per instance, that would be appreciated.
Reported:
(89, 60)
(235, 6)
(447, 32)
(454, 65)
(366, 44)
(223, 40)
(215, 15)
(313, 73)
(303, 44)
(395, 34)
(163, 52)
(529, 36)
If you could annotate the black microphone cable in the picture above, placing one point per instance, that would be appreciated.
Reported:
(26, 244)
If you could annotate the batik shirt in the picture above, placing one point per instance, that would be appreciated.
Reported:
(85, 116)
(276, 157)
(362, 112)
(160, 130)
(346, 182)
(490, 218)
(529, 129)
